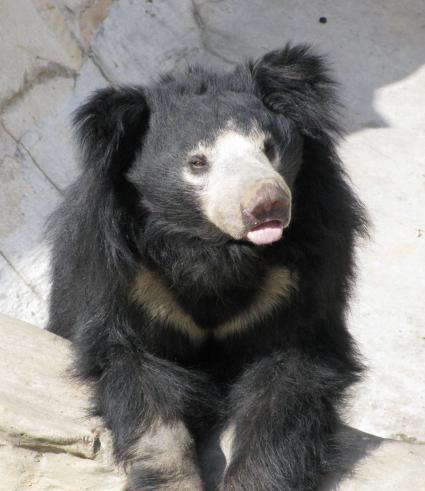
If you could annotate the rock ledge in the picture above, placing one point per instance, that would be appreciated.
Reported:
(47, 442)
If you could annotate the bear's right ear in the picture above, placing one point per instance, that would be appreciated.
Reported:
(110, 128)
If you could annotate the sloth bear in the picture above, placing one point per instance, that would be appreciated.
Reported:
(202, 264)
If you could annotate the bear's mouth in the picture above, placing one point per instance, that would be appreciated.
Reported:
(266, 232)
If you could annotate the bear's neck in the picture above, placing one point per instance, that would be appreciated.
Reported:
(211, 283)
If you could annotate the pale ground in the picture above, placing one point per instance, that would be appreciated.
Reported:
(53, 53)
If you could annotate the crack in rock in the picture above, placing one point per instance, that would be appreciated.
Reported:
(40, 76)
(23, 149)
(204, 30)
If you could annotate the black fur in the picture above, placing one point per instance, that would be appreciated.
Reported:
(281, 381)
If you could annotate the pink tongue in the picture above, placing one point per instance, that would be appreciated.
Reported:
(266, 233)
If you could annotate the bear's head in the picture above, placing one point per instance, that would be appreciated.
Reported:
(213, 156)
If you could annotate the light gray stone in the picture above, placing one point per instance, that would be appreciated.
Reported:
(157, 37)
(387, 316)
(46, 439)
(22, 185)
(45, 131)
(17, 296)
(35, 42)
(84, 17)
(37, 162)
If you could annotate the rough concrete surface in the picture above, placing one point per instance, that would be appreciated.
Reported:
(53, 53)
(47, 441)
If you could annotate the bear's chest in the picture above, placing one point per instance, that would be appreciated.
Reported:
(213, 317)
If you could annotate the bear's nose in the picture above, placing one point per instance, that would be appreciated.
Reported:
(268, 202)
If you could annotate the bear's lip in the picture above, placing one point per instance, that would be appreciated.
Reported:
(266, 232)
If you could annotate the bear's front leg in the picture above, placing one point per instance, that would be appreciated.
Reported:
(164, 458)
(281, 421)
(145, 402)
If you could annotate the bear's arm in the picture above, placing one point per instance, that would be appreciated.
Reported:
(282, 423)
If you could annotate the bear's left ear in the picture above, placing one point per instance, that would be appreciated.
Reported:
(110, 128)
(295, 82)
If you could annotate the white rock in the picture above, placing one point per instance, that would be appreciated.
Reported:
(84, 17)
(35, 42)
(46, 439)
(156, 37)
(37, 162)
(40, 121)
(20, 298)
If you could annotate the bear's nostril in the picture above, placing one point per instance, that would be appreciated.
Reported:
(263, 209)
(267, 206)
(271, 210)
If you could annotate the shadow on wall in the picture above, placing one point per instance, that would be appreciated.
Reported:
(371, 43)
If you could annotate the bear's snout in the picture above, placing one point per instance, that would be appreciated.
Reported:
(266, 211)
(267, 202)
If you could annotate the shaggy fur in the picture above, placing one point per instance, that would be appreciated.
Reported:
(278, 382)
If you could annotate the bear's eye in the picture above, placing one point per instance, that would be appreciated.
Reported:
(269, 149)
(198, 163)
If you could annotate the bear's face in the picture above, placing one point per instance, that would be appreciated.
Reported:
(218, 166)
(213, 156)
